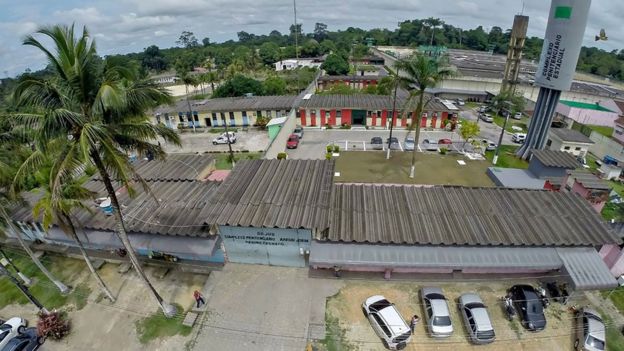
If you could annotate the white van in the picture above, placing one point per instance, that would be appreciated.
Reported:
(387, 322)
(518, 138)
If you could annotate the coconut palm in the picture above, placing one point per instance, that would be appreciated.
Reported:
(98, 108)
(421, 72)
(59, 208)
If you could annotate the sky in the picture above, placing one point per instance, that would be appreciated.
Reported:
(122, 26)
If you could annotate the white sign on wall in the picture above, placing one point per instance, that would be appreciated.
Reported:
(562, 43)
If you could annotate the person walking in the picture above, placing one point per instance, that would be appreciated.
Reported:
(199, 298)
(413, 322)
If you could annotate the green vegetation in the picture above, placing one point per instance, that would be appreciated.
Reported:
(500, 121)
(372, 167)
(591, 162)
(157, 326)
(335, 65)
(44, 290)
(610, 211)
(507, 157)
(223, 159)
(606, 131)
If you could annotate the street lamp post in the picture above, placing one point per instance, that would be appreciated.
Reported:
(500, 140)
(23, 288)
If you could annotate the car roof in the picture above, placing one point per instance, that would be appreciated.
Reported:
(439, 308)
(467, 298)
(482, 319)
(394, 320)
(596, 328)
(431, 290)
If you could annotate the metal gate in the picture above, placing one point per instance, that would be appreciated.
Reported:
(269, 246)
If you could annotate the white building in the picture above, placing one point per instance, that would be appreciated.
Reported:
(289, 64)
(568, 140)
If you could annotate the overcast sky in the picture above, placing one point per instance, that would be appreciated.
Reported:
(121, 26)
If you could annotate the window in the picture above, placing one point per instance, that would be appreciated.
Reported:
(268, 113)
(369, 114)
(327, 114)
(245, 119)
(338, 113)
(214, 119)
(313, 112)
(223, 118)
(158, 119)
(232, 119)
(549, 142)
(577, 149)
(181, 117)
(298, 113)
(566, 148)
(196, 118)
(381, 324)
(259, 113)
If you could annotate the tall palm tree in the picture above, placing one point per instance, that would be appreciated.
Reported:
(421, 72)
(187, 80)
(60, 207)
(211, 76)
(99, 109)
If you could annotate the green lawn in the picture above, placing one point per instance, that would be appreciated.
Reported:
(157, 325)
(606, 131)
(64, 269)
(372, 167)
(522, 123)
(223, 162)
(472, 105)
(507, 157)
(591, 162)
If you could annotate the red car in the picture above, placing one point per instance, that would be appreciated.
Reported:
(293, 142)
(445, 142)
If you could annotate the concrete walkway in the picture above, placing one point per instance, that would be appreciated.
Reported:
(253, 307)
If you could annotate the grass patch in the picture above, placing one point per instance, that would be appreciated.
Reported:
(591, 162)
(199, 96)
(222, 159)
(471, 105)
(617, 297)
(618, 187)
(515, 326)
(372, 167)
(507, 157)
(157, 326)
(609, 211)
(45, 291)
(522, 123)
(604, 130)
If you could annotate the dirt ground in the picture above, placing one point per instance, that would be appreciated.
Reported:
(357, 334)
(101, 325)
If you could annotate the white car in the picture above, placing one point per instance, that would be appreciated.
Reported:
(387, 322)
(223, 138)
(486, 117)
(518, 115)
(437, 312)
(10, 329)
(590, 331)
(518, 138)
(476, 319)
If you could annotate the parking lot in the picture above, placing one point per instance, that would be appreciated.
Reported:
(353, 331)
(253, 140)
(314, 141)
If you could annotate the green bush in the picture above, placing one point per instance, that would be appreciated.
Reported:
(336, 148)
(329, 148)
(328, 126)
(443, 150)
(328, 156)
(345, 126)
(281, 156)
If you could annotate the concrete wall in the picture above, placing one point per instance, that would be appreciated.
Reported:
(606, 146)
(270, 246)
(585, 116)
(239, 121)
(542, 172)
(575, 149)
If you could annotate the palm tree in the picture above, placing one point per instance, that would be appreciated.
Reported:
(99, 110)
(211, 76)
(60, 207)
(188, 79)
(421, 72)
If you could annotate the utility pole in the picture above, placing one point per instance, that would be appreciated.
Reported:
(6, 260)
(500, 139)
(296, 44)
(23, 288)
(229, 142)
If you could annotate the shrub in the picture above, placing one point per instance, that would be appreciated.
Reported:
(281, 156)
(345, 126)
(328, 126)
(443, 150)
(336, 148)
(53, 325)
(328, 156)
(329, 148)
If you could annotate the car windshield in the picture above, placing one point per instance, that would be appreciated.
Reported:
(596, 343)
(485, 335)
(376, 140)
(402, 337)
(3, 334)
(292, 139)
(409, 140)
(379, 305)
(441, 321)
(297, 130)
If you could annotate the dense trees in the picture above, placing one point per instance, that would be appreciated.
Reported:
(335, 65)
(239, 85)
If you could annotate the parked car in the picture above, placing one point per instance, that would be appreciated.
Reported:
(393, 143)
(377, 143)
(486, 117)
(298, 131)
(436, 312)
(10, 329)
(488, 145)
(430, 145)
(590, 331)
(517, 115)
(460, 102)
(529, 306)
(476, 319)
(408, 144)
(387, 322)
(292, 142)
(483, 109)
(29, 340)
(445, 142)
(518, 138)
(223, 138)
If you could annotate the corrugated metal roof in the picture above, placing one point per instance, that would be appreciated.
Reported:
(175, 208)
(253, 103)
(369, 102)
(570, 135)
(586, 268)
(351, 78)
(462, 216)
(399, 256)
(589, 180)
(176, 167)
(275, 194)
(559, 159)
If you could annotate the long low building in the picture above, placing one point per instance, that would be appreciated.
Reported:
(372, 111)
(235, 112)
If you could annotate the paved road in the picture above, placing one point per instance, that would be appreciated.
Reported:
(314, 140)
(253, 307)
(252, 140)
(489, 131)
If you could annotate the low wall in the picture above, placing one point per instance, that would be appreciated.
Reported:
(605, 146)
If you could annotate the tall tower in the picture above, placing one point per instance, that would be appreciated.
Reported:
(514, 53)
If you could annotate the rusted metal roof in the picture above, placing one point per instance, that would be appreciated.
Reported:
(275, 194)
(462, 216)
(559, 159)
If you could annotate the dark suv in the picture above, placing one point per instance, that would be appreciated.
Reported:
(529, 306)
